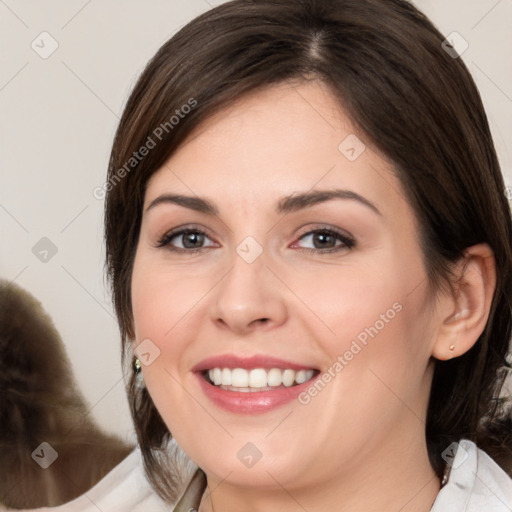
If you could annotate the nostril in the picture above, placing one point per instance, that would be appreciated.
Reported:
(261, 321)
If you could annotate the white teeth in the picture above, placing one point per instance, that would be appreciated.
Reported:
(257, 378)
(239, 378)
(226, 377)
(300, 377)
(275, 377)
(217, 376)
(288, 378)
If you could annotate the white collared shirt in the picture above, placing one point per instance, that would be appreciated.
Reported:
(476, 484)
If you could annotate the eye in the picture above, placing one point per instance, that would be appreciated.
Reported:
(326, 240)
(185, 240)
(192, 239)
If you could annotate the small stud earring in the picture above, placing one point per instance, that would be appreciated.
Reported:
(452, 347)
(139, 379)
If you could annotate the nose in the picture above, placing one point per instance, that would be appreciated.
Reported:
(249, 297)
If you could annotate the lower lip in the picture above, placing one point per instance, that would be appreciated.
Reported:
(252, 402)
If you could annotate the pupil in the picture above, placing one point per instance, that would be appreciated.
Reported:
(323, 238)
(196, 240)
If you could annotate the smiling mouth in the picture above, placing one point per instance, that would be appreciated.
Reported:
(257, 379)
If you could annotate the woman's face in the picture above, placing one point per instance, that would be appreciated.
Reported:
(300, 260)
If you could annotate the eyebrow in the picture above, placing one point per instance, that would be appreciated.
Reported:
(285, 205)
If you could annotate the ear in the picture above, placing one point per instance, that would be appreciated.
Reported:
(464, 312)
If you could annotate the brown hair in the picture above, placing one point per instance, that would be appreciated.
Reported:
(41, 402)
(385, 63)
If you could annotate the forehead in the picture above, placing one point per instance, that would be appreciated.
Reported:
(272, 143)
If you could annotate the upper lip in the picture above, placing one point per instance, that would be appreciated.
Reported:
(248, 362)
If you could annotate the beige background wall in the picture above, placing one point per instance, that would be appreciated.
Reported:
(57, 119)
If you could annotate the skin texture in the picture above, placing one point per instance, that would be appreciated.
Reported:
(365, 430)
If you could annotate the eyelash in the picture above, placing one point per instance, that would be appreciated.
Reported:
(347, 242)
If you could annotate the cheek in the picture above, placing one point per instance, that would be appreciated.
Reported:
(162, 299)
(164, 304)
(349, 300)
(371, 321)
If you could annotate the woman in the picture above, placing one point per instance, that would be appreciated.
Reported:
(308, 241)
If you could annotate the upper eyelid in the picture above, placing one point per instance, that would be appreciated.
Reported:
(181, 230)
(323, 227)
(345, 237)
(303, 230)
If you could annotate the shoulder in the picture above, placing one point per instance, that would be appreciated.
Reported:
(475, 483)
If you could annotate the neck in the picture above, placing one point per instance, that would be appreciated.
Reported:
(397, 478)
